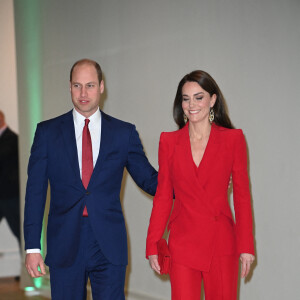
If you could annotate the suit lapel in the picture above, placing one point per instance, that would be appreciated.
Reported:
(183, 146)
(68, 131)
(184, 157)
(197, 177)
(209, 156)
(105, 144)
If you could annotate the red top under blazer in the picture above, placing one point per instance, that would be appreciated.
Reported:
(201, 224)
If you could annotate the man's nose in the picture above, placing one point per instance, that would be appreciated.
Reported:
(83, 92)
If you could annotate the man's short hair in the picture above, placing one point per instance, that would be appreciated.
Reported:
(86, 61)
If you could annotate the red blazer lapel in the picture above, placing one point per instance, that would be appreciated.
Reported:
(186, 170)
(207, 163)
(183, 164)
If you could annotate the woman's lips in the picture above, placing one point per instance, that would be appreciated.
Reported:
(192, 112)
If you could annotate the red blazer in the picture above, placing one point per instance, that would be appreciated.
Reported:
(201, 224)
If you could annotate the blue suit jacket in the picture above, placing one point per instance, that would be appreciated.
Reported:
(54, 159)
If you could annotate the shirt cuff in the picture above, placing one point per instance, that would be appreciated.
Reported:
(33, 251)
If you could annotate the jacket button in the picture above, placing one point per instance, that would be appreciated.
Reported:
(87, 192)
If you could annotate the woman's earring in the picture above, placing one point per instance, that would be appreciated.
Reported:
(185, 119)
(211, 115)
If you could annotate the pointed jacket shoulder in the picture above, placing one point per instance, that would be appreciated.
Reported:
(219, 134)
(174, 136)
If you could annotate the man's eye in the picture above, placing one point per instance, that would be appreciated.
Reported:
(76, 85)
(90, 86)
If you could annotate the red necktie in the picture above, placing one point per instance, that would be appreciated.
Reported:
(87, 158)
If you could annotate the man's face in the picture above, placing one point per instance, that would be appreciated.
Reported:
(85, 89)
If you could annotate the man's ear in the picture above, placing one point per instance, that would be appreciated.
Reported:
(101, 86)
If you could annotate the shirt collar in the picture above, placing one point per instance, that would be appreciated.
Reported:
(79, 118)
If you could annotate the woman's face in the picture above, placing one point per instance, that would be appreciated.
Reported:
(196, 102)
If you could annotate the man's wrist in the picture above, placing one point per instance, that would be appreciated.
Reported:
(33, 251)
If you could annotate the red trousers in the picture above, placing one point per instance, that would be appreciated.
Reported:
(220, 283)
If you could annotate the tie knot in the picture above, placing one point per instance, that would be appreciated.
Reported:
(86, 122)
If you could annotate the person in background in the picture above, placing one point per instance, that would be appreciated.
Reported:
(196, 162)
(82, 154)
(9, 178)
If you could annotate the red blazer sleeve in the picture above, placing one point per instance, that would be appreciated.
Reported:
(242, 197)
(163, 199)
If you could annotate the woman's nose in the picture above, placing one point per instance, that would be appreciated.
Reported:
(191, 103)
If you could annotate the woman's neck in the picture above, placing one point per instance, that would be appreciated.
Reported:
(198, 131)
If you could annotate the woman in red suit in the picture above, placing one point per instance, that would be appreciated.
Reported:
(196, 163)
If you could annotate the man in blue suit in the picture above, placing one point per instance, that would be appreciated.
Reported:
(82, 155)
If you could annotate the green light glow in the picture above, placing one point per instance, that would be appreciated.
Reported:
(33, 62)
(33, 78)
(29, 289)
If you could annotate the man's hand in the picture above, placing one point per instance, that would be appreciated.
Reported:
(154, 263)
(32, 262)
(246, 260)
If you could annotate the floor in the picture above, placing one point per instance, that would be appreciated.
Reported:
(10, 290)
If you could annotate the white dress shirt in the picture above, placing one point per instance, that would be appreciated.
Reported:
(95, 131)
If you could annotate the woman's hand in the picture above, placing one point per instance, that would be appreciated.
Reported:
(154, 263)
(246, 259)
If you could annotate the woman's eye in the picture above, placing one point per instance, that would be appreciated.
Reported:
(185, 99)
(199, 98)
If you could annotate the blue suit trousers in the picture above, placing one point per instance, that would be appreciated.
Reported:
(107, 280)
